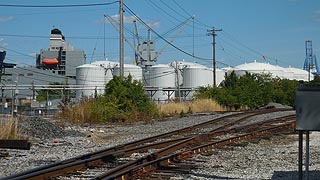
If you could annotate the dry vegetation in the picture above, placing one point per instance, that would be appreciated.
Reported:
(79, 114)
(196, 106)
(9, 128)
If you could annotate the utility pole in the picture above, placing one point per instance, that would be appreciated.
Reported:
(178, 80)
(212, 32)
(121, 40)
(104, 37)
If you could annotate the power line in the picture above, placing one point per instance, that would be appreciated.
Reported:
(179, 49)
(90, 38)
(56, 6)
(197, 21)
(239, 48)
(165, 12)
(160, 9)
(173, 9)
(47, 37)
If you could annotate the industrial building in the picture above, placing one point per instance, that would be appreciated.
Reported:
(61, 57)
(57, 64)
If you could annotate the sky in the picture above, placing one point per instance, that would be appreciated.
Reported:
(272, 31)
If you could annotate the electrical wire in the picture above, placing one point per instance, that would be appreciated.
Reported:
(165, 12)
(173, 10)
(254, 55)
(94, 38)
(187, 13)
(179, 49)
(56, 6)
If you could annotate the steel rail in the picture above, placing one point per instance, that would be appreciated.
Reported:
(109, 154)
(144, 168)
(116, 148)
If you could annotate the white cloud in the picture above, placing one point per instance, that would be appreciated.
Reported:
(130, 19)
(316, 11)
(153, 24)
(32, 54)
(3, 44)
(316, 15)
(126, 19)
(6, 19)
(316, 18)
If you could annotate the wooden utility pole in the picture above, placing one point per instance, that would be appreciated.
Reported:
(121, 40)
(212, 32)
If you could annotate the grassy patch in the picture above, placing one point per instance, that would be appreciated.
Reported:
(196, 106)
(9, 128)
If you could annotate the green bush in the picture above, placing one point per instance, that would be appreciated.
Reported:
(124, 101)
(251, 91)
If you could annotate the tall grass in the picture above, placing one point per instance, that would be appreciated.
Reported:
(9, 128)
(77, 114)
(83, 112)
(196, 106)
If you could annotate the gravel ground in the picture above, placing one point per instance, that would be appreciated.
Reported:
(272, 158)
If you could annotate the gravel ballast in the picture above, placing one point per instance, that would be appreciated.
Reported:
(52, 140)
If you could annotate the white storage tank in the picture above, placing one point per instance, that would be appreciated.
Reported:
(288, 74)
(108, 66)
(161, 77)
(90, 79)
(220, 76)
(300, 74)
(259, 68)
(228, 70)
(182, 65)
(105, 64)
(133, 70)
(196, 76)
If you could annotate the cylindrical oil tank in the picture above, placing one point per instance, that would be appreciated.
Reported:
(300, 74)
(220, 76)
(108, 66)
(162, 78)
(90, 79)
(180, 65)
(133, 70)
(227, 70)
(259, 68)
(194, 77)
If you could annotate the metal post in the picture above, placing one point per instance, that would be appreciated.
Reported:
(307, 155)
(47, 101)
(300, 153)
(16, 92)
(2, 101)
(121, 40)
(12, 104)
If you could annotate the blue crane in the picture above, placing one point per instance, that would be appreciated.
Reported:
(310, 63)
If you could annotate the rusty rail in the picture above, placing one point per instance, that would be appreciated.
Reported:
(144, 168)
(110, 154)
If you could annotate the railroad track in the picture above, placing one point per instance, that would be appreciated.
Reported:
(161, 151)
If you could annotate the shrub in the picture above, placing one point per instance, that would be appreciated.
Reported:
(124, 101)
(251, 91)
